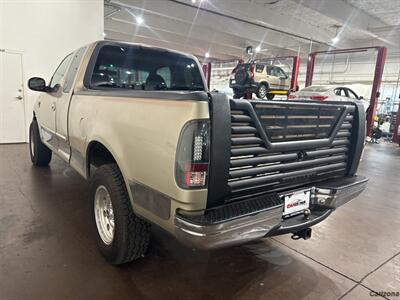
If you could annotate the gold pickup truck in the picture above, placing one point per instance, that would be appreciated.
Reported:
(158, 148)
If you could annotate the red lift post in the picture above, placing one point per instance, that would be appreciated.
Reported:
(207, 73)
(379, 65)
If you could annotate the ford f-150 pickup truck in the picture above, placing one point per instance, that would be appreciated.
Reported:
(158, 148)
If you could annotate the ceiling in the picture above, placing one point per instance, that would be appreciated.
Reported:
(224, 28)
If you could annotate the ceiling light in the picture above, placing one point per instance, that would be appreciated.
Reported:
(139, 20)
(258, 49)
(335, 39)
(207, 54)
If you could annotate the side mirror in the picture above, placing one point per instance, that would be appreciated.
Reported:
(360, 98)
(37, 84)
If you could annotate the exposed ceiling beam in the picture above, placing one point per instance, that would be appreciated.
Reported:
(193, 17)
(349, 16)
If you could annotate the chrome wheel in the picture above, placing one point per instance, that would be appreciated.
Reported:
(262, 91)
(104, 214)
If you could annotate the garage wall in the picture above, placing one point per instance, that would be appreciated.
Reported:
(45, 32)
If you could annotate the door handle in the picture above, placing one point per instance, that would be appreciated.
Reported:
(53, 106)
(19, 97)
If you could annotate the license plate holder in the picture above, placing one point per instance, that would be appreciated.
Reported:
(296, 203)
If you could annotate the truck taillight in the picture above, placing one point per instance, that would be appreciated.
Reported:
(192, 156)
(251, 70)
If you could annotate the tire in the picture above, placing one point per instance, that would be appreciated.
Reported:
(262, 91)
(40, 154)
(130, 235)
(270, 96)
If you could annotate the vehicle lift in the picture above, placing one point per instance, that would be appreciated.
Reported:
(379, 65)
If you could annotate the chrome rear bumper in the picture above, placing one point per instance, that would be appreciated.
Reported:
(227, 229)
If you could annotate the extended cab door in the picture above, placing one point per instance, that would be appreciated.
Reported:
(47, 105)
(63, 102)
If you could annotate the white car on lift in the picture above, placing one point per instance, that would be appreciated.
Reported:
(328, 93)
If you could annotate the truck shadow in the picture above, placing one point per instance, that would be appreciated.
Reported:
(260, 270)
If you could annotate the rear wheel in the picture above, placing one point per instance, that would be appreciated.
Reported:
(270, 96)
(121, 235)
(262, 91)
(40, 154)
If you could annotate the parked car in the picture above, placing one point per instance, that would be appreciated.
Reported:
(326, 92)
(158, 148)
(261, 79)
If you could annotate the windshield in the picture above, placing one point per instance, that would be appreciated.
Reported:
(141, 68)
(316, 88)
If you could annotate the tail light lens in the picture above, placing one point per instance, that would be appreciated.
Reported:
(192, 156)
(251, 70)
(319, 98)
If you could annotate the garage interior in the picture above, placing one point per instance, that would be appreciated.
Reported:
(47, 245)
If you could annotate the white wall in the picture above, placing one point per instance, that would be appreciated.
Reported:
(45, 32)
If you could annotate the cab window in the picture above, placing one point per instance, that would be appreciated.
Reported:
(61, 71)
(143, 68)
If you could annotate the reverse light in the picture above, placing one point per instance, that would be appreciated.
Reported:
(319, 98)
(192, 156)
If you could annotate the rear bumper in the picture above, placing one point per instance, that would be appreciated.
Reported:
(243, 87)
(238, 223)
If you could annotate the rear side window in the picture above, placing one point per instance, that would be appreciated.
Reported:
(259, 68)
(142, 68)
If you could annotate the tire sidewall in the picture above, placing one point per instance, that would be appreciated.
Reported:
(110, 252)
(33, 136)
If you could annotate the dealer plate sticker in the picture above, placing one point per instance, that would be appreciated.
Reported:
(296, 203)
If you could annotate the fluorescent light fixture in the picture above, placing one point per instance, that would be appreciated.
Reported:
(335, 39)
(207, 54)
(258, 49)
(139, 20)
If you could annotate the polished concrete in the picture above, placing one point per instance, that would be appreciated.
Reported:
(47, 249)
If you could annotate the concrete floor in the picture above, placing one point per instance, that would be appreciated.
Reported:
(47, 249)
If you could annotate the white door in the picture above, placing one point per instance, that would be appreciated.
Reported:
(12, 108)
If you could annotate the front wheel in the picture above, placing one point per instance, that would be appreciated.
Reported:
(262, 91)
(121, 235)
(40, 154)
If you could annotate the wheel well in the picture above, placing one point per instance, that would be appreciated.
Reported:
(264, 83)
(97, 155)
